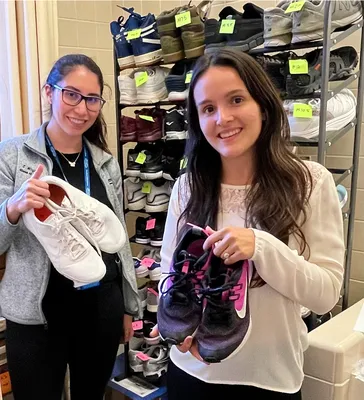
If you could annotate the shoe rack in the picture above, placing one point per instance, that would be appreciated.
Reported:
(326, 140)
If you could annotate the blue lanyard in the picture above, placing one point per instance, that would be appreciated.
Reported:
(86, 165)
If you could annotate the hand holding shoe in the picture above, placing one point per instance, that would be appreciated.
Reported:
(232, 244)
(32, 194)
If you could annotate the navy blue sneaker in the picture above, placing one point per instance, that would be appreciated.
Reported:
(180, 305)
(147, 48)
(123, 47)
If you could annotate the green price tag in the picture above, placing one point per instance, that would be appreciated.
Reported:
(141, 158)
(227, 26)
(141, 78)
(302, 110)
(183, 163)
(147, 187)
(188, 77)
(146, 117)
(134, 34)
(295, 6)
(183, 19)
(298, 66)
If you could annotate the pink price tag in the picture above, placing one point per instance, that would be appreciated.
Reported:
(142, 356)
(147, 262)
(150, 224)
(137, 325)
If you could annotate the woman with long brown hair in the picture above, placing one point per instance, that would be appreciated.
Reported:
(258, 202)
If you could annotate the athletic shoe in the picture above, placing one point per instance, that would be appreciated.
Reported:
(127, 88)
(154, 89)
(142, 293)
(158, 198)
(149, 124)
(174, 124)
(132, 167)
(74, 256)
(308, 24)
(141, 233)
(136, 199)
(124, 51)
(128, 131)
(277, 25)
(226, 322)
(157, 363)
(154, 269)
(176, 81)
(174, 159)
(180, 306)
(341, 110)
(152, 299)
(136, 346)
(152, 168)
(148, 326)
(156, 234)
(147, 48)
(142, 261)
(343, 195)
(101, 222)
(248, 29)
(342, 63)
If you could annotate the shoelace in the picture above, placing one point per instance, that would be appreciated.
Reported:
(69, 242)
(89, 217)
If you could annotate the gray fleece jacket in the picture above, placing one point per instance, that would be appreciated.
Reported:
(27, 264)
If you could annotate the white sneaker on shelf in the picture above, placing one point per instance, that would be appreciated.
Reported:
(158, 198)
(70, 253)
(136, 198)
(341, 110)
(308, 24)
(102, 223)
(127, 89)
(157, 364)
(277, 25)
(154, 89)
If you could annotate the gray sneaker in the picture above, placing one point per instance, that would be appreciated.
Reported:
(277, 25)
(308, 24)
(157, 363)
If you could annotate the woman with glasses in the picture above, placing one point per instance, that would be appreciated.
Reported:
(50, 324)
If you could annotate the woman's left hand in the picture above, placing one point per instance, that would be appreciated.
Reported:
(128, 328)
(231, 244)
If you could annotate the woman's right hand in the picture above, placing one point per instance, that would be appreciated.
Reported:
(32, 194)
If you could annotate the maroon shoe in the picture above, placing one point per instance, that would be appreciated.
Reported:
(149, 131)
(128, 129)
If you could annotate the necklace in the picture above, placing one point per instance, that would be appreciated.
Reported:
(71, 163)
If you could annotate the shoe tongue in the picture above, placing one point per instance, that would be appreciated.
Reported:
(252, 11)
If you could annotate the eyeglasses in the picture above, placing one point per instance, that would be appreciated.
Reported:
(72, 98)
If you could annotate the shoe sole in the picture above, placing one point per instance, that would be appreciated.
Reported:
(173, 57)
(319, 34)
(178, 96)
(156, 243)
(195, 52)
(142, 241)
(149, 208)
(153, 308)
(149, 138)
(243, 45)
(141, 274)
(132, 173)
(156, 374)
(137, 205)
(128, 100)
(153, 97)
(126, 62)
(151, 175)
(148, 58)
(176, 135)
(276, 42)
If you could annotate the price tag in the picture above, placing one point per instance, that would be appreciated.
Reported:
(141, 78)
(295, 6)
(146, 117)
(188, 77)
(141, 158)
(150, 224)
(302, 110)
(147, 186)
(298, 66)
(183, 19)
(227, 26)
(136, 325)
(147, 262)
(183, 163)
(134, 34)
(142, 356)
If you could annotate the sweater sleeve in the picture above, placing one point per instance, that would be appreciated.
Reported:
(314, 282)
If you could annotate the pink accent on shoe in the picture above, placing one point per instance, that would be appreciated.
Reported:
(239, 304)
(185, 267)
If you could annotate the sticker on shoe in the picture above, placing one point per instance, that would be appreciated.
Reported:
(183, 19)
(295, 6)
(134, 34)
(298, 66)
(141, 79)
(227, 26)
(302, 110)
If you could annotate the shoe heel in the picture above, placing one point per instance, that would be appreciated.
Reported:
(196, 52)
(173, 57)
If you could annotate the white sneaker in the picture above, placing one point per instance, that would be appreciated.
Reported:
(158, 198)
(341, 110)
(70, 253)
(127, 89)
(277, 25)
(308, 24)
(136, 198)
(103, 224)
(154, 89)
(157, 364)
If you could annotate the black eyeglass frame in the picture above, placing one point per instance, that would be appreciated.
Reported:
(82, 97)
